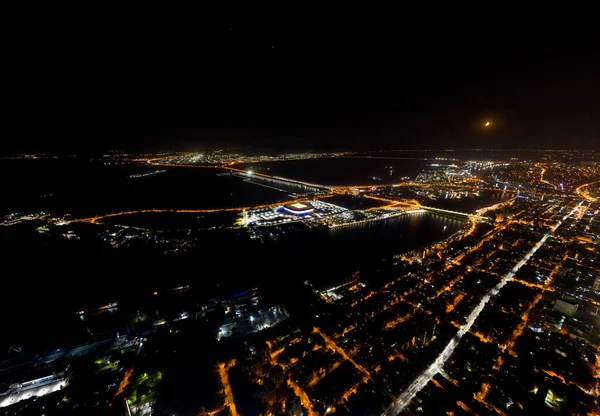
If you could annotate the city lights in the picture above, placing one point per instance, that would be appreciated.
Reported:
(507, 279)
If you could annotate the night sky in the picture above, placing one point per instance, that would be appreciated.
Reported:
(293, 83)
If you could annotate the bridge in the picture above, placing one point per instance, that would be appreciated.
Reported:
(248, 173)
(279, 182)
(456, 213)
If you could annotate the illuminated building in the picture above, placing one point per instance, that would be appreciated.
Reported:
(298, 208)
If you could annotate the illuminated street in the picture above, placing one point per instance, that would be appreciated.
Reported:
(420, 382)
(223, 369)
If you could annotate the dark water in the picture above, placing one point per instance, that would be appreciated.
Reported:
(84, 188)
(48, 288)
(396, 235)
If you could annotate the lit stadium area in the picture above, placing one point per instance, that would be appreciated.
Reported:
(300, 211)
(298, 208)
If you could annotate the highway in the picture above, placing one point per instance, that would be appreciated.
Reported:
(421, 381)
(250, 173)
(229, 166)
(98, 218)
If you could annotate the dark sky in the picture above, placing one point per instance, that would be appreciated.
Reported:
(289, 82)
